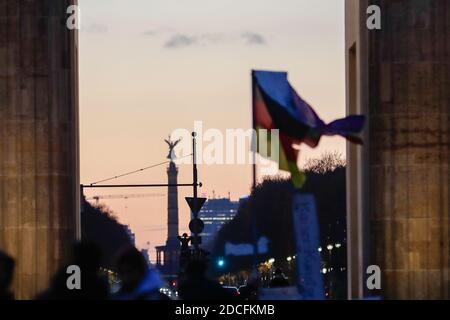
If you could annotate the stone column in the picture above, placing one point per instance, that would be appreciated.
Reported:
(38, 139)
(172, 203)
(172, 247)
(409, 113)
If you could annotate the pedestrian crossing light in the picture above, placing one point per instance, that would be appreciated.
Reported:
(220, 263)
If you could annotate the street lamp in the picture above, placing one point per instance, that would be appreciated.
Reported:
(220, 263)
(330, 280)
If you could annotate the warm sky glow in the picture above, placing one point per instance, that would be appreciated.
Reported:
(148, 67)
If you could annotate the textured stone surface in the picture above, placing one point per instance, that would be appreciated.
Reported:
(38, 138)
(409, 114)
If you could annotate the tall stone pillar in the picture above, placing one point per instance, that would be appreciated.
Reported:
(399, 180)
(172, 244)
(38, 139)
(172, 203)
(409, 110)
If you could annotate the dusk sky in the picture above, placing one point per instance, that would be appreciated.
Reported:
(148, 67)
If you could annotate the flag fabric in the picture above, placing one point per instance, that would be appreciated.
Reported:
(276, 105)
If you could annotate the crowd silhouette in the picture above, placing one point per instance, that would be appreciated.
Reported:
(195, 285)
(94, 286)
(137, 279)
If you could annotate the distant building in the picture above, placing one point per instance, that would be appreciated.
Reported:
(130, 234)
(146, 255)
(215, 213)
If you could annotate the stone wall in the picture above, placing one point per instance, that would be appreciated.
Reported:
(38, 138)
(409, 116)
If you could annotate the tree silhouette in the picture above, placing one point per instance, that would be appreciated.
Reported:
(329, 161)
(99, 225)
(271, 203)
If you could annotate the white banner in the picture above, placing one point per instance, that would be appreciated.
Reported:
(246, 249)
(310, 281)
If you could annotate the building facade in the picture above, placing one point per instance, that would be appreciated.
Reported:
(214, 214)
(146, 255)
(39, 172)
(398, 182)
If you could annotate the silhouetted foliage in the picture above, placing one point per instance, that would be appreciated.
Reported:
(99, 225)
(329, 161)
(272, 201)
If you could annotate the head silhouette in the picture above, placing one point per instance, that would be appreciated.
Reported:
(6, 271)
(132, 268)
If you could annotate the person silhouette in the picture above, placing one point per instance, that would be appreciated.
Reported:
(138, 280)
(184, 239)
(7, 265)
(195, 285)
(87, 256)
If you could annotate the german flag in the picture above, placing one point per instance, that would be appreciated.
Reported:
(276, 105)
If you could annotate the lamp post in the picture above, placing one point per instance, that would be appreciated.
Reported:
(330, 280)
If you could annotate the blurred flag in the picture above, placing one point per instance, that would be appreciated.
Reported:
(276, 105)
